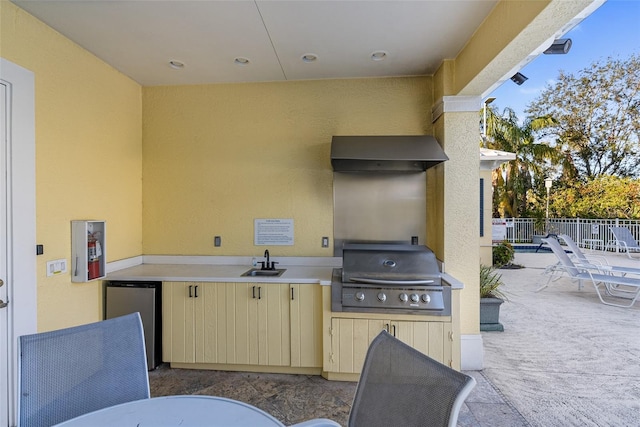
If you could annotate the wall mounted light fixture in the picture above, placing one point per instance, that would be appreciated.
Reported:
(519, 78)
(559, 47)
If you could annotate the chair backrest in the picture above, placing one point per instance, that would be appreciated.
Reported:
(73, 371)
(623, 234)
(562, 256)
(574, 248)
(399, 386)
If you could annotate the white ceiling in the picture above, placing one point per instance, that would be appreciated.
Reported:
(140, 37)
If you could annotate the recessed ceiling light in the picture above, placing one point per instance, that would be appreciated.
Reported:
(378, 55)
(177, 65)
(241, 60)
(309, 57)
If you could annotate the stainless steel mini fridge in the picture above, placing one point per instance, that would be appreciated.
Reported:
(146, 298)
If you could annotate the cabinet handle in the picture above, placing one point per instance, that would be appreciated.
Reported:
(190, 295)
(253, 293)
(259, 292)
(386, 327)
(292, 298)
(196, 294)
(394, 330)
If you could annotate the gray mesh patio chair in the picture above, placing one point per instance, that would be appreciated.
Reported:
(400, 386)
(624, 240)
(73, 371)
(623, 287)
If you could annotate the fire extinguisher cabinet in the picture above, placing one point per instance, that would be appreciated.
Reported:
(88, 250)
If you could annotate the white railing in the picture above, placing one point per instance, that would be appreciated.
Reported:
(584, 231)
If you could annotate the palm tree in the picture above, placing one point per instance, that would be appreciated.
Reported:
(514, 181)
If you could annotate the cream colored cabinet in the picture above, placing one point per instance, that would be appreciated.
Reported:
(268, 336)
(193, 318)
(226, 323)
(179, 301)
(350, 339)
(306, 325)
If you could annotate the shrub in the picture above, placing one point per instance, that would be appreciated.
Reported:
(503, 254)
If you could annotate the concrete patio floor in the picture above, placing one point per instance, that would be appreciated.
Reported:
(564, 359)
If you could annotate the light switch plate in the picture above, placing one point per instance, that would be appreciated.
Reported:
(57, 266)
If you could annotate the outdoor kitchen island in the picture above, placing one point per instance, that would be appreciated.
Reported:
(215, 318)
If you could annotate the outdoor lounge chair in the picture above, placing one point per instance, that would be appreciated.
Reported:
(596, 262)
(626, 288)
(400, 386)
(623, 240)
(73, 371)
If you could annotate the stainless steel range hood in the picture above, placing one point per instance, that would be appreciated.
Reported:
(407, 153)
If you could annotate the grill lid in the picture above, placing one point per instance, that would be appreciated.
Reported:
(388, 262)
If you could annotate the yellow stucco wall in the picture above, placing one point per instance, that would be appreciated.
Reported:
(88, 158)
(216, 157)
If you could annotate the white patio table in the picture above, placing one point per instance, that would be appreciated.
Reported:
(183, 411)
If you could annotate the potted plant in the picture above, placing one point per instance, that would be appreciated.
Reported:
(490, 299)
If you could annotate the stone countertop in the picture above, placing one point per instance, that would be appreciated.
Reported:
(176, 268)
(221, 273)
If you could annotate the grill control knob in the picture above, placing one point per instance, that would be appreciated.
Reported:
(415, 298)
(360, 296)
(404, 297)
(426, 298)
(382, 297)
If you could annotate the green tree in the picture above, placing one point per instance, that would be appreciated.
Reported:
(595, 119)
(602, 197)
(515, 182)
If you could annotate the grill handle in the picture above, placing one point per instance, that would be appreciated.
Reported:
(390, 282)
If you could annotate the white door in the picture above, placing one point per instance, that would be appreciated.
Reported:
(17, 227)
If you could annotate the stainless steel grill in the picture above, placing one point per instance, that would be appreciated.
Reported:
(389, 278)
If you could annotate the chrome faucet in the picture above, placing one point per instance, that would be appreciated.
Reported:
(266, 255)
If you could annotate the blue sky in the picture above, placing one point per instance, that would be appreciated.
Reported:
(612, 30)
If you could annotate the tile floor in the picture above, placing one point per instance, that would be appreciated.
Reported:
(296, 398)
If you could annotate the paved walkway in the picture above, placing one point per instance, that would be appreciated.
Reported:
(564, 358)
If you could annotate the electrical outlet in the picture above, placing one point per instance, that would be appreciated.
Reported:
(57, 266)
(217, 241)
(325, 242)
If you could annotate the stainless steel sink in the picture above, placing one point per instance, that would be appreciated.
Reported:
(256, 272)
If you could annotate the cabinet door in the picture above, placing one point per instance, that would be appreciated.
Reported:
(430, 338)
(350, 340)
(241, 323)
(211, 314)
(274, 347)
(178, 322)
(306, 325)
